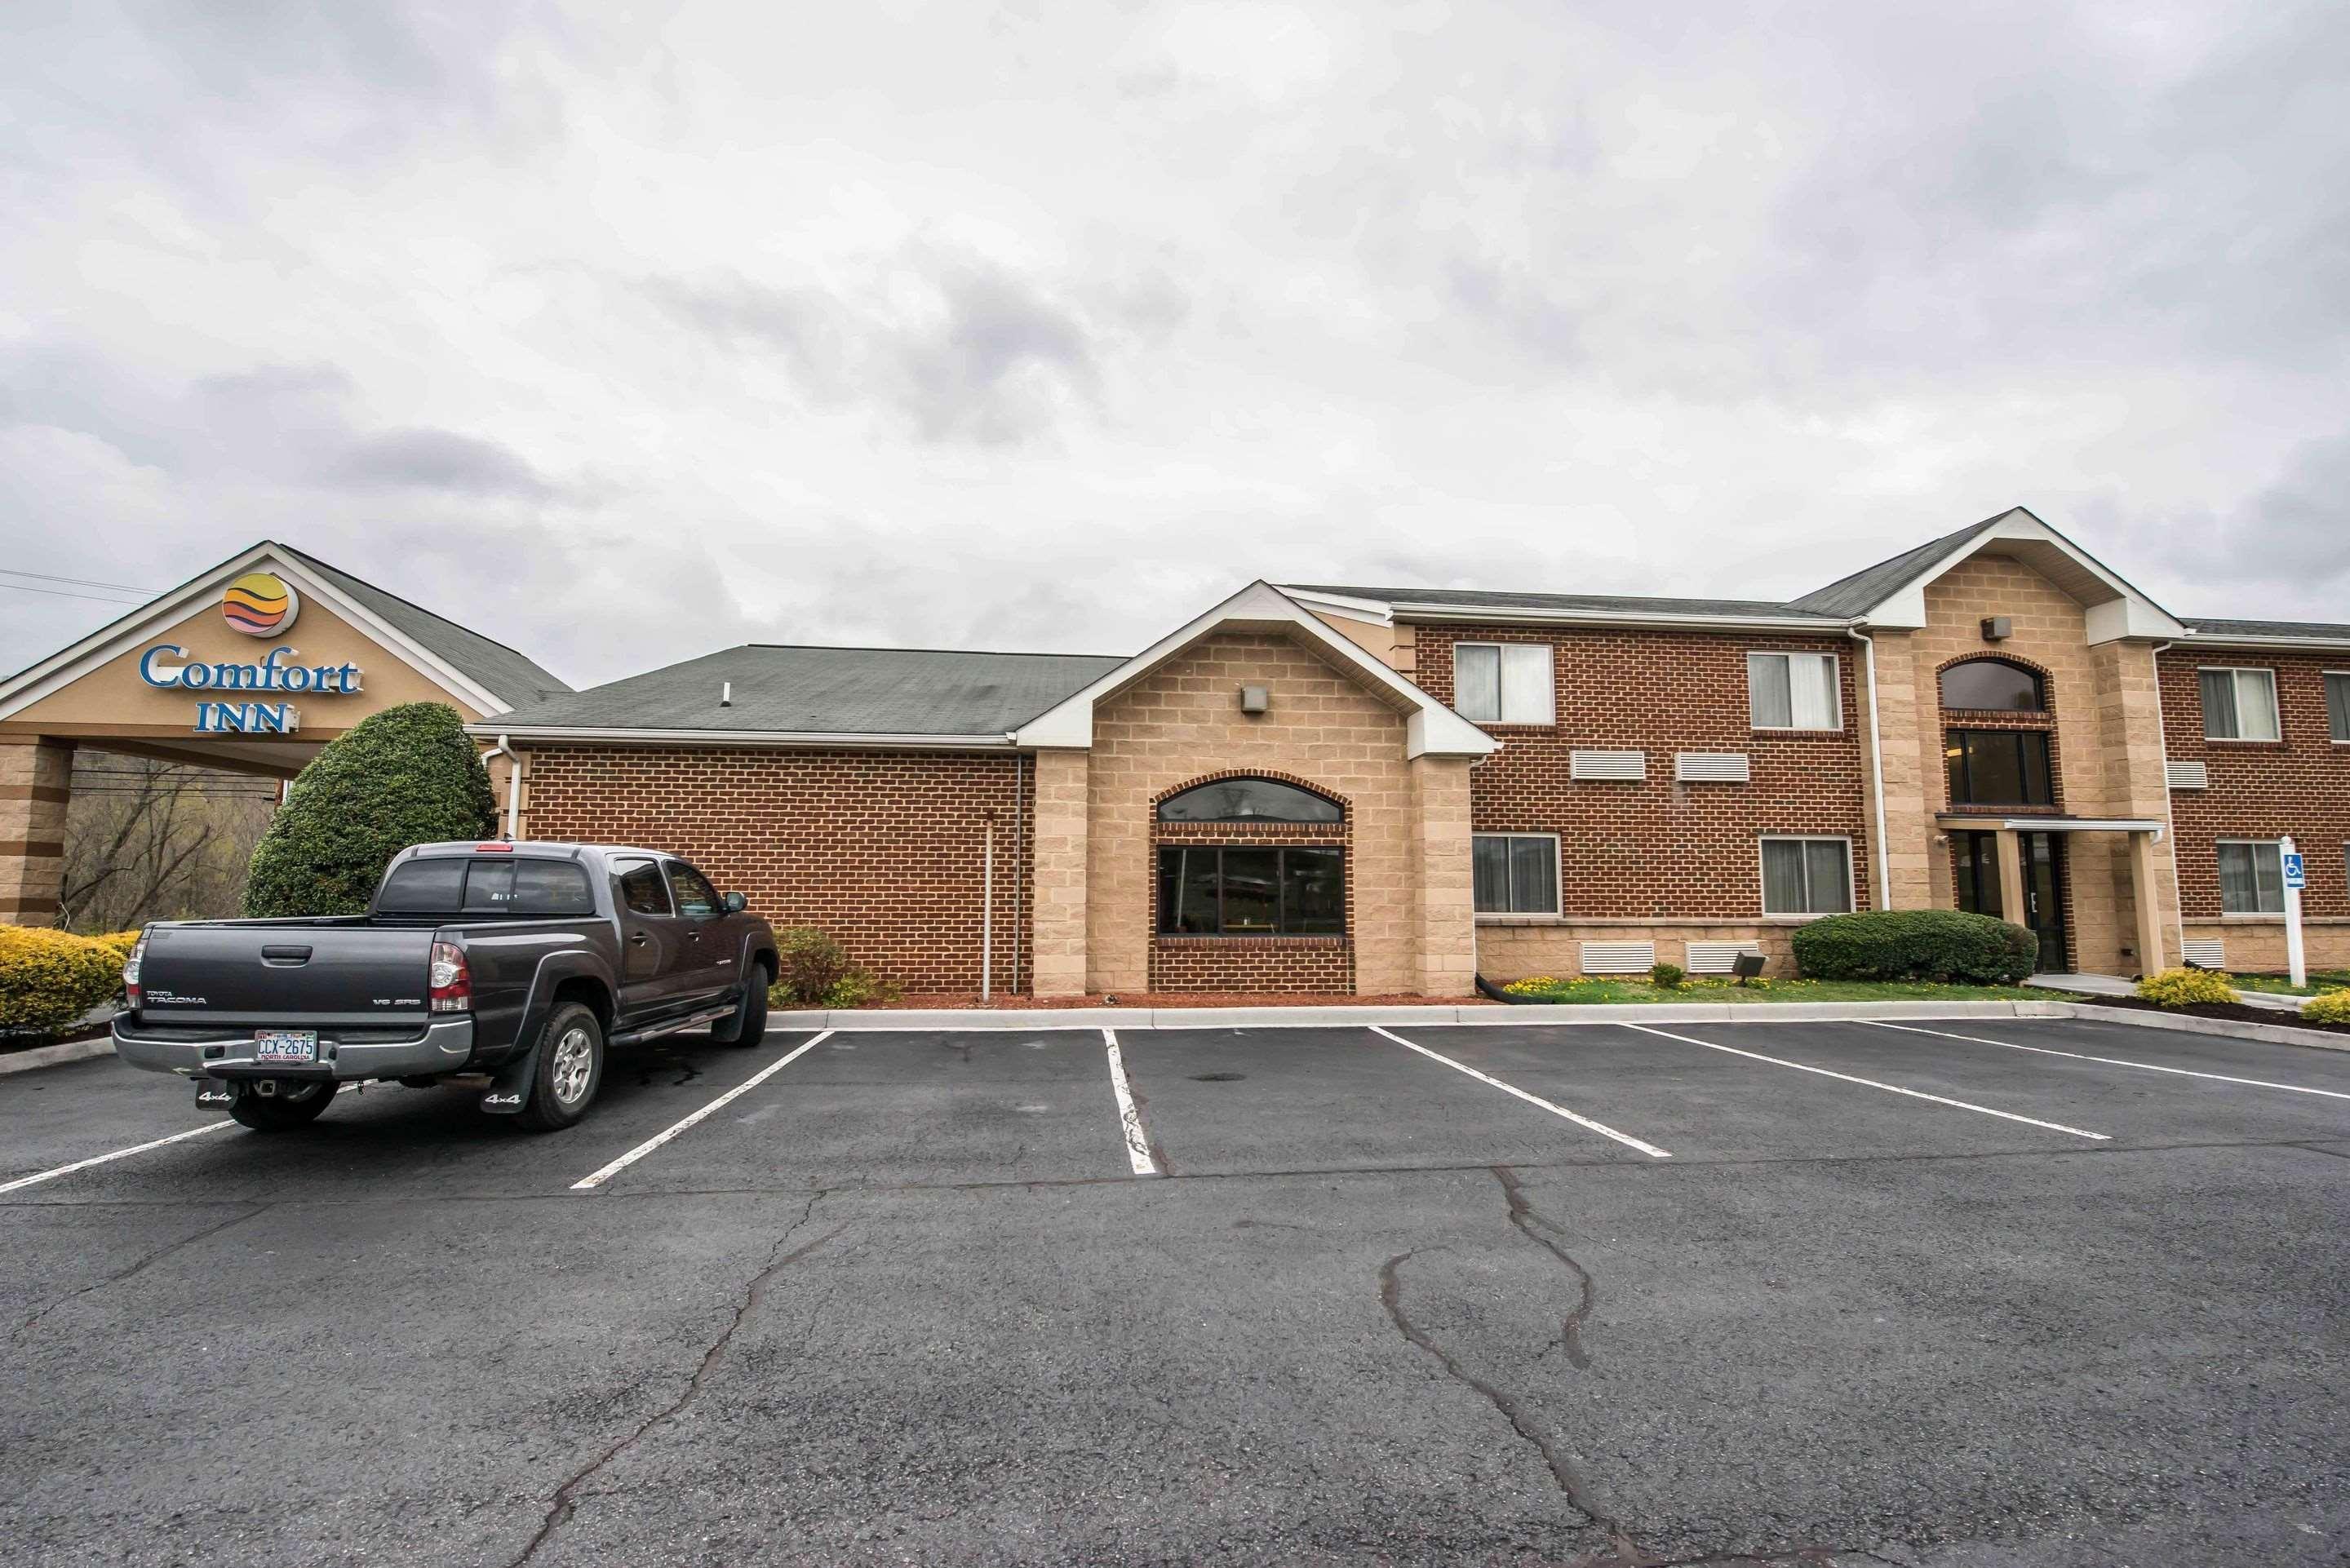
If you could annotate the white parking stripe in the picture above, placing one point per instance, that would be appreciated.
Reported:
(1651, 1150)
(589, 1183)
(2117, 1062)
(117, 1154)
(1871, 1082)
(1130, 1115)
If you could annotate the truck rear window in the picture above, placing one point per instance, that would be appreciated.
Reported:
(454, 885)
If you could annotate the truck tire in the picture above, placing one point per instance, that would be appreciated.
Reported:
(294, 1105)
(749, 1024)
(569, 1069)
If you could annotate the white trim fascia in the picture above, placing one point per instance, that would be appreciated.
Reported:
(1378, 612)
(1431, 729)
(525, 735)
(159, 615)
(1500, 615)
(2215, 640)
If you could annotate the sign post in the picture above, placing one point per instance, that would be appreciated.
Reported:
(2295, 879)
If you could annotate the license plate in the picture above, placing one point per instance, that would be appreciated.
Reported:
(286, 1045)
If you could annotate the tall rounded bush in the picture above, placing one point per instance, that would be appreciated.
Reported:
(1917, 944)
(406, 775)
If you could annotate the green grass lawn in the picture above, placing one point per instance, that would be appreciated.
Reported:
(1707, 989)
(2320, 981)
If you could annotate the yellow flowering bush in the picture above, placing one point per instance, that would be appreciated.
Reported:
(49, 978)
(2185, 988)
(2332, 1007)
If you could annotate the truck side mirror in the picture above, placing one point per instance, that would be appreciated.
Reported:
(735, 903)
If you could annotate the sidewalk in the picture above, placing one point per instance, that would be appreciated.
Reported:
(2108, 986)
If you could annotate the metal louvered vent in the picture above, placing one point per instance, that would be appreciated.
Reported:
(2211, 954)
(1711, 767)
(2187, 776)
(1621, 765)
(1714, 957)
(1618, 957)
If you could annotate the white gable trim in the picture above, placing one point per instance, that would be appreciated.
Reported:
(2126, 613)
(159, 615)
(1431, 728)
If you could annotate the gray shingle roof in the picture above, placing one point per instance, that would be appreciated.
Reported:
(514, 679)
(1596, 604)
(1865, 590)
(2315, 630)
(829, 691)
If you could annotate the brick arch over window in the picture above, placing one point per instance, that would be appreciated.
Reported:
(1323, 964)
(2038, 671)
(1345, 806)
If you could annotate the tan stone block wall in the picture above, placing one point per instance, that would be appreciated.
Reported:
(2257, 947)
(1908, 827)
(1445, 885)
(1183, 721)
(36, 782)
(1517, 951)
(1060, 873)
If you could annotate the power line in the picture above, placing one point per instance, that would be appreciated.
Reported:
(62, 593)
(78, 582)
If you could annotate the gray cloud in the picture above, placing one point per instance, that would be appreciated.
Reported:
(435, 459)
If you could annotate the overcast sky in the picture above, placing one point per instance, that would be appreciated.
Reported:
(623, 333)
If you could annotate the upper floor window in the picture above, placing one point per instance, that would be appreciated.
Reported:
(2337, 704)
(1794, 691)
(1248, 800)
(1994, 684)
(1999, 767)
(2239, 705)
(1502, 682)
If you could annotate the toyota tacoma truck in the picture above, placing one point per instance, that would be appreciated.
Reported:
(519, 961)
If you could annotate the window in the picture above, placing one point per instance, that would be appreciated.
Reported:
(1806, 876)
(1516, 873)
(2239, 705)
(1245, 890)
(433, 886)
(694, 893)
(2252, 876)
(1502, 682)
(1999, 767)
(2337, 704)
(1994, 684)
(1248, 800)
(641, 890)
(1794, 691)
(456, 884)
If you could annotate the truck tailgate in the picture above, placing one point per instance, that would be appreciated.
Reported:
(292, 974)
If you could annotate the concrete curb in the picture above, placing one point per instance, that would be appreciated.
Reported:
(2274, 1033)
(1036, 1019)
(52, 1055)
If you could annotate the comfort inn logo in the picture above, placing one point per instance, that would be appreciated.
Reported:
(260, 604)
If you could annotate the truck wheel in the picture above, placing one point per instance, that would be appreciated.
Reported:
(294, 1105)
(569, 1071)
(749, 1024)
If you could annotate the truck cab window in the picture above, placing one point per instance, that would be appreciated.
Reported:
(694, 893)
(429, 887)
(641, 889)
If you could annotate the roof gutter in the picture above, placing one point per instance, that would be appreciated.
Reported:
(1496, 614)
(659, 737)
(2251, 639)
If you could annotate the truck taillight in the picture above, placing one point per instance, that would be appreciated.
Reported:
(452, 985)
(130, 971)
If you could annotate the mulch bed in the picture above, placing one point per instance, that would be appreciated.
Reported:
(2235, 1011)
(1182, 999)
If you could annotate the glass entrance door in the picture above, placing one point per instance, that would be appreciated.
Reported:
(1977, 867)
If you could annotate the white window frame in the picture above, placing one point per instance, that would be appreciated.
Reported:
(1762, 880)
(2276, 846)
(2276, 704)
(1557, 885)
(1835, 686)
(2323, 677)
(1548, 706)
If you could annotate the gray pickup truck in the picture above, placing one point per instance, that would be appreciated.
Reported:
(518, 960)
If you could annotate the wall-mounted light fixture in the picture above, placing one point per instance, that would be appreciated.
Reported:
(1257, 698)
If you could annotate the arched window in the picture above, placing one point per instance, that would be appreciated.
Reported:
(1247, 800)
(1993, 685)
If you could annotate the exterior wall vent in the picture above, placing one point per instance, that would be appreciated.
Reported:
(2209, 954)
(2187, 776)
(1715, 958)
(1632, 766)
(1711, 767)
(1618, 957)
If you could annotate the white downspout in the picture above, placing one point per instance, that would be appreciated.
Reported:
(1876, 769)
(514, 782)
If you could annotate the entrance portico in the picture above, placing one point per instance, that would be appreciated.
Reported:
(2026, 883)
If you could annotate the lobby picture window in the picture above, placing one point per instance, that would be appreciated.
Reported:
(1245, 890)
(1794, 691)
(2337, 705)
(1999, 767)
(1806, 877)
(1248, 800)
(1502, 682)
(1515, 873)
(2252, 876)
(2239, 705)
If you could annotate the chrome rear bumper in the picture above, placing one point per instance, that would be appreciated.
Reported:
(443, 1046)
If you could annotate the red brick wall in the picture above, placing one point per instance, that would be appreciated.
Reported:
(1659, 849)
(882, 849)
(2259, 789)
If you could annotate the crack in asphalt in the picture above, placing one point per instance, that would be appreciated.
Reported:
(157, 1256)
(566, 1497)
(1523, 1215)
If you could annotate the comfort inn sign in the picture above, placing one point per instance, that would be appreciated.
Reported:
(260, 604)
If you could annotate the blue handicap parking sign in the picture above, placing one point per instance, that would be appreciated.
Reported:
(2293, 874)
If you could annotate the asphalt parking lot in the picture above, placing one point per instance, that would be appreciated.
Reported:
(1987, 1294)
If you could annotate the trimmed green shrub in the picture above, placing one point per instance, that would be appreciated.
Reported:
(49, 978)
(1938, 945)
(2332, 1007)
(1664, 976)
(2185, 988)
(812, 965)
(407, 775)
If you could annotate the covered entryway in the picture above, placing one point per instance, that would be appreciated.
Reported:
(2017, 868)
